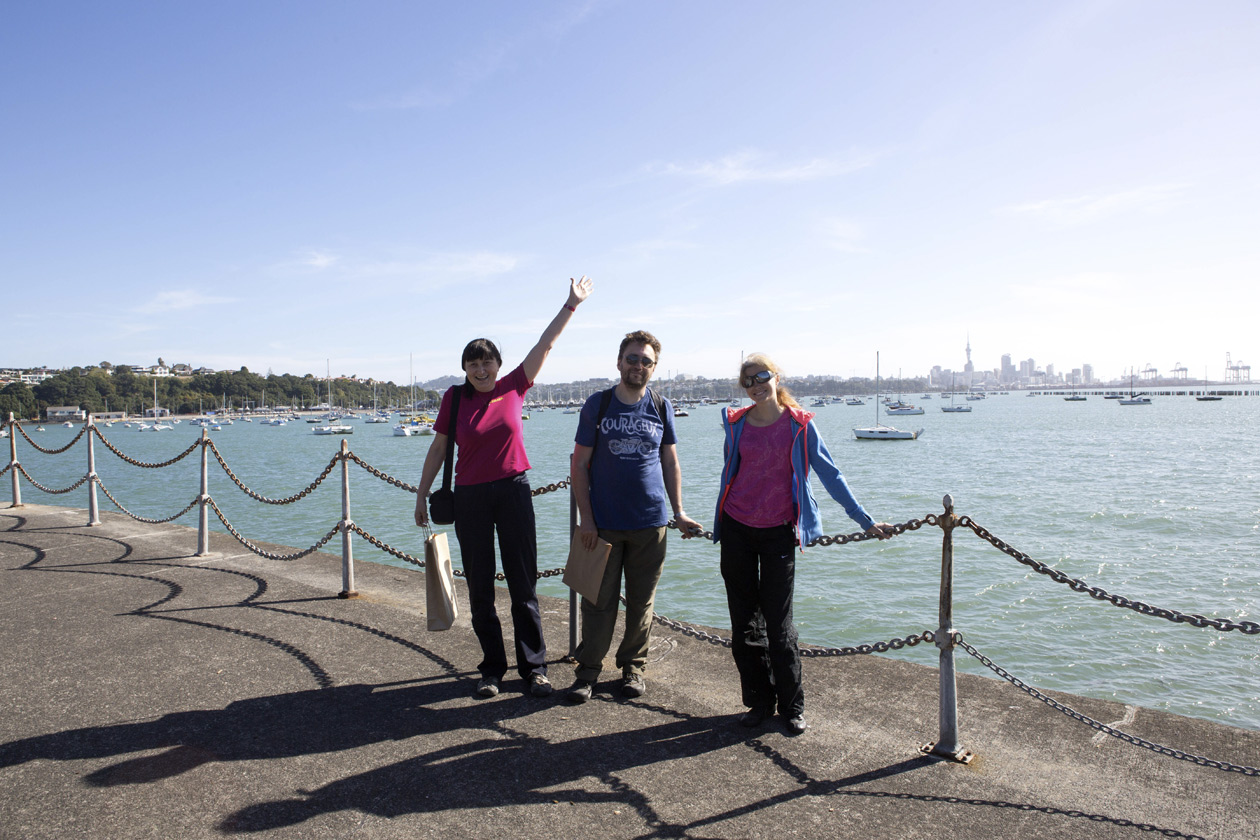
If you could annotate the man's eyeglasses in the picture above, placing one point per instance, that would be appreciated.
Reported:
(761, 377)
(635, 359)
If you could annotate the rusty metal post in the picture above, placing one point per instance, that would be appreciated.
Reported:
(13, 462)
(203, 520)
(94, 513)
(947, 745)
(574, 616)
(347, 547)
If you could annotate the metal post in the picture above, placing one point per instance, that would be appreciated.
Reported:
(347, 547)
(947, 745)
(574, 617)
(13, 462)
(203, 520)
(94, 513)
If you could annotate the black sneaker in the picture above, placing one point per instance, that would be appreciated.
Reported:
(756, 717)
(632, 685)
(487, 687)
(581, 691)
(539, 685)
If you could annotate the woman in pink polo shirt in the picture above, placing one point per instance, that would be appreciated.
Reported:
(492, 495)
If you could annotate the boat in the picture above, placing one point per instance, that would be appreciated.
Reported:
(854, 401)
(1208, 398)
(903, 408)
(334, 429)
(1134, 398)
(1075, 398)
(955, 409)
(681, 412)
(880, 431)
(155, 426)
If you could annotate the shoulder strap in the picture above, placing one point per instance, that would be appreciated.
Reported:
(450, 439)
(605, 399)
(659, 402)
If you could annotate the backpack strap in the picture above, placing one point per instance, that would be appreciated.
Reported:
(605, 400)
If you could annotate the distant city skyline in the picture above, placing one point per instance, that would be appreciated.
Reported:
(1026, 372)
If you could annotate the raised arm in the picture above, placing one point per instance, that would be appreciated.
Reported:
(579, 290)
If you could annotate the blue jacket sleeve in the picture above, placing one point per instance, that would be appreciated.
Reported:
(829, 474)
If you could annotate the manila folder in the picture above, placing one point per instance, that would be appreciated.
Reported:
(585, 570)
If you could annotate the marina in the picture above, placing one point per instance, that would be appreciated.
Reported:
(1128, 501)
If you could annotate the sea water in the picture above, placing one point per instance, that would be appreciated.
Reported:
(1155, 503)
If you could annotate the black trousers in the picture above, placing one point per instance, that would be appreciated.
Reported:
(759, 568)
(505, 507)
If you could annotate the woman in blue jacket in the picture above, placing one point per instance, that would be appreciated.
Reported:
(765, 510)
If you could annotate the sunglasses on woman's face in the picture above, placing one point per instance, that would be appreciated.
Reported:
(758, 378)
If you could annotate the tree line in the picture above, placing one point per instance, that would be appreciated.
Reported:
(95, 390)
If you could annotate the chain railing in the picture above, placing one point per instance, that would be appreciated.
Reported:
(39, 448)
(945, 637)
(1250, 628)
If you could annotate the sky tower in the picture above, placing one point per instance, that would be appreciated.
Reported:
(969, 368)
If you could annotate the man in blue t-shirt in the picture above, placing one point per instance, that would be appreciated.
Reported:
(626, 481)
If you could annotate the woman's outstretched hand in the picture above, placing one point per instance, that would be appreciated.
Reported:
(579, 290)
(880, 531)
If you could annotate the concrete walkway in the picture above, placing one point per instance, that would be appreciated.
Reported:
(149, 693)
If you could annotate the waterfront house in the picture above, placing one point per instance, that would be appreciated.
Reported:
(61, 413)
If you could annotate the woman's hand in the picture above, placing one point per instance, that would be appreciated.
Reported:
(579, 290)
(688, 526)
(880, 530)
(422, 510)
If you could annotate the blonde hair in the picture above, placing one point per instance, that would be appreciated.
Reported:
(782, 393)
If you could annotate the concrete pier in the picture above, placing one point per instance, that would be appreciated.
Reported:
(148, 692)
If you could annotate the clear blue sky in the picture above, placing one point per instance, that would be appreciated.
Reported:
(273, 184)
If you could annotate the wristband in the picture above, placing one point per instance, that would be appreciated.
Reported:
(570, 308)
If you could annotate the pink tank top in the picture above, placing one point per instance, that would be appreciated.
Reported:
(761, 494)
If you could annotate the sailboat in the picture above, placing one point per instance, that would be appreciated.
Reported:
(900, 407)
(333, 427)
(880, 431)
(955, 409)
(1133, 398)
(155, 426)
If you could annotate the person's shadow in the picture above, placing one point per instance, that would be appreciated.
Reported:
(502, 767)
(505, 770)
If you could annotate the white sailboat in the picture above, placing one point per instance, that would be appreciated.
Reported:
(1134, 398)
(155, 426)
(334, 427)
(951, 408)
(880, 431)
